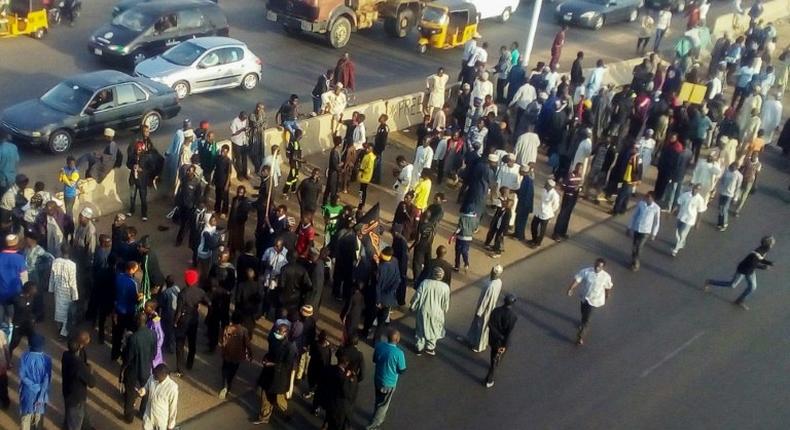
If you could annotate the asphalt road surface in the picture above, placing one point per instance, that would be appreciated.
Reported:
(385, 66)
(661, 354)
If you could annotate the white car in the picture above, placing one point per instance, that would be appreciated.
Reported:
(502, 9)
(204, 64)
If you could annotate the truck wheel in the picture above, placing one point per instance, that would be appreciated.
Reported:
(404, 21)
(340, 32)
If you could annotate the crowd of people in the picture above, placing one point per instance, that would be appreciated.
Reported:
(482, 141)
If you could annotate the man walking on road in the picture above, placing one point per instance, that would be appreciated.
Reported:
(729, 185)
(644, 224)
(390, 364)
(556, 46)
(746, 269)
(662, 25)
(690, 205)
(503, 320)
(431, 303)
(595, 286)
(239, 129)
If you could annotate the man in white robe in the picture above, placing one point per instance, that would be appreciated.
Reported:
(430, 303)
(423, 158)
(436, 85)
(527, 148)
(706, 174)
(63, 282)
(477, 336)
(771, 117)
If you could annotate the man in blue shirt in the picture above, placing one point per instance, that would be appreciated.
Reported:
(13, 274)
(9, 160)
(743, 80)
(125, 306)
(644, 224)
(390, 363)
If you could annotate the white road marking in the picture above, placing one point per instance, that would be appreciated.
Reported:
(671, 354)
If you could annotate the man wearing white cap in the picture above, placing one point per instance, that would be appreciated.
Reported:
(547, 209)
(477, 336)
(84, 246)
(509, 175)
(334, 103)
(481, 88)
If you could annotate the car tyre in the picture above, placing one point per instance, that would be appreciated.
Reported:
(153, 120)
(404, 21)
(599, 22)
(506, 14)
(182, 89)
(340, 32)
(39, 33)
(633, 15)
(249, 82)
(60, 141)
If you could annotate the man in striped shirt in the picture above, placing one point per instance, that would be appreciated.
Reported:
(570, 194)
(644, 224)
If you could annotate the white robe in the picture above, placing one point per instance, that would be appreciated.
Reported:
(436, 87)
(771, 118)
(403, 183)
(422, 160)
(477, 336)
(63, 282)
(527, 148)
(706, 174)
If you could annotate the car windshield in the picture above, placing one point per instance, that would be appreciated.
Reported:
(434, 15)
(67, 97)
(133, 20)
(184, 54)
(601, 2)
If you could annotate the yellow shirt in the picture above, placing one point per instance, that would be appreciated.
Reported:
(421, 193)
(366, 168)
(757, 145)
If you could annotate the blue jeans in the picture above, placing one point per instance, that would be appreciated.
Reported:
(670, 195)
(461, 251)
(751, 284)
(724, 210)
(316, 105)
(659, 36)
(291, 126)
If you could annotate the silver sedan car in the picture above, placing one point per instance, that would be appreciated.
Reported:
(203, 64)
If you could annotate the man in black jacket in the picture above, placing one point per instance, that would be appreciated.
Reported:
(138, 356)
(275, 378)
(77, 378)
(322, 85)
(187, 198)
(333, 170)
(500, 325)
(577, 74)
(294, 285)
(746, 269)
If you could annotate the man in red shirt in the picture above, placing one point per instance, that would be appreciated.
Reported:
(556, 46)
(306, 234)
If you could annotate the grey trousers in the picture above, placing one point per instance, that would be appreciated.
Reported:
(383, 399)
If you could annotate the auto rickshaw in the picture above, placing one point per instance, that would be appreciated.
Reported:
(446, 24)
(23, 17)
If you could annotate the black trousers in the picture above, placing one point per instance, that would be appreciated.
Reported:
(331, 187)
(422, 254)
(125, 322)
(4, 400)
(586, 311)
(129, 397)
(23, 330)
(168, 330)
(639, 243)
(229, 369)
(104, 311)
(343, 283)
(501, 84)
(496, 360)
(188, 337)
(221, 200)
(142, 191)
(185, 217)
(76, 417)
(564, 217)
(538, 228)
(363, 194)
(240, 155)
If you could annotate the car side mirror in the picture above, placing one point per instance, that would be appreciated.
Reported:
(201, 66)
(89, 111)
(612, 3)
